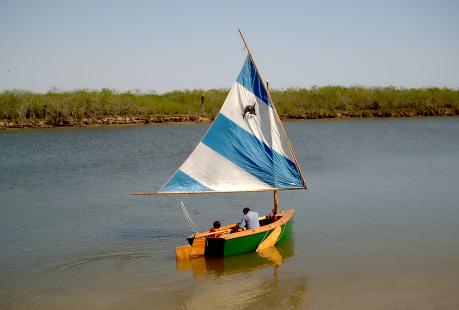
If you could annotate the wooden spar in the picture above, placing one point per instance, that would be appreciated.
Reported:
(276, 204)
(215, 192)
(289, 145)
(246, 46)
(275, 110)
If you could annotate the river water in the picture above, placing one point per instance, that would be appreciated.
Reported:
(378, 229)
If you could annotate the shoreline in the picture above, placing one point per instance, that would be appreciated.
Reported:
(105, 107)
(186, 119)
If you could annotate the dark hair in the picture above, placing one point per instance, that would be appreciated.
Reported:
(245, 210)
(217, 224)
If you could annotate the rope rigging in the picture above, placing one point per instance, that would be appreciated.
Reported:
(193, 226)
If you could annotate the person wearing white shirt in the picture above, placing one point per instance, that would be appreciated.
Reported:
(249, 220)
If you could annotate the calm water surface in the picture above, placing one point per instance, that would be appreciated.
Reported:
(379, 228)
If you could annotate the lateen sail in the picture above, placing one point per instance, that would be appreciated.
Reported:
(245, 148)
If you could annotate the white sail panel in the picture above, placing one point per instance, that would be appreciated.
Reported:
(218, 173)
(278, 139)
(255, 122)
(262, 124)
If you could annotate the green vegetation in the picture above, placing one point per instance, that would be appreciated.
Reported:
(81, 107)
(337, 101)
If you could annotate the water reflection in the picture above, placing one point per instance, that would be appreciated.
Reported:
(252, 280)
(247, 262)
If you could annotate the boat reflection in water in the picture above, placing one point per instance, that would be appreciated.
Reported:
(247, 262)
(273, 256)
(257, 279)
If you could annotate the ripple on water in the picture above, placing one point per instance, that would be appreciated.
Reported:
(108, 260)
(116, 271)
(149, 234)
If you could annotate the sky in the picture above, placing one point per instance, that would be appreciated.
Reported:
(159, 46)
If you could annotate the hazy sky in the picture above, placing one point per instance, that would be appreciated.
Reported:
(161, 46)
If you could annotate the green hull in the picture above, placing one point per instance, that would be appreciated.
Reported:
(219, 247)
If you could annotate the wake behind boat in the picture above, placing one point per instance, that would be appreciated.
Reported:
(246, 149)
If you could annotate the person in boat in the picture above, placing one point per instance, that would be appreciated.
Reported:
(272, 216)
(249, 220)
(216, 228)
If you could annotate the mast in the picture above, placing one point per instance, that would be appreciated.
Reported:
(276, 204)
(277, 115)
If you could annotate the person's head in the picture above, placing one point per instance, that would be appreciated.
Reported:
(217, 224)
(245, 210)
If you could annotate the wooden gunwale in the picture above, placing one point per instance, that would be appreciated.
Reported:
(285, 217)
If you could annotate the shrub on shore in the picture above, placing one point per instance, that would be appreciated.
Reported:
(337, 101)
(64, 107)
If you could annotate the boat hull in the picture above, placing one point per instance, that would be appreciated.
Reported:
(218, 247)
(248, 240)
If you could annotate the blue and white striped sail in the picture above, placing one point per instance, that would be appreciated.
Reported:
(245, 148)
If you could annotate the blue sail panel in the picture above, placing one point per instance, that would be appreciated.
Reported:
(181, 182)
(250, 79)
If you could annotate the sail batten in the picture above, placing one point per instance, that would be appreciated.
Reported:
(243, 150)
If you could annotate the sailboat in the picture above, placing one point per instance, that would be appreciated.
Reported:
(246, 149)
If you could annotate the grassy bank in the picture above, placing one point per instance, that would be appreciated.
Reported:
(83, 107)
